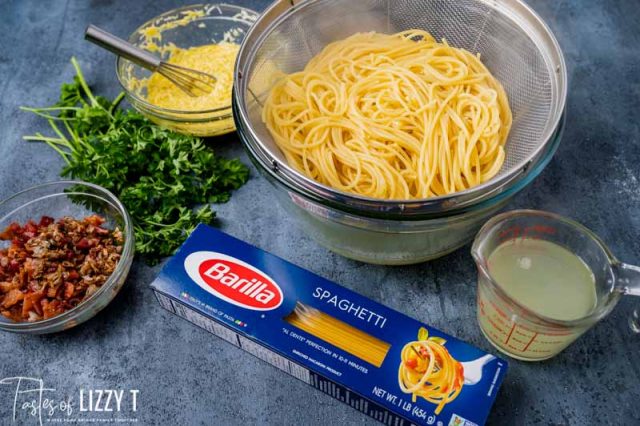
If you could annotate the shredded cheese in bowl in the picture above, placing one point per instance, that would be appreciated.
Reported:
(217, 60)
(203, 37)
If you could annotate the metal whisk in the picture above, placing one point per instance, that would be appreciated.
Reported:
(192, 82)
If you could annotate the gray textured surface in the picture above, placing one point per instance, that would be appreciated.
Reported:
(186, 376)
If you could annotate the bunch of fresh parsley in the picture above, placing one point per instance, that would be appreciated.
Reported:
(159, 175)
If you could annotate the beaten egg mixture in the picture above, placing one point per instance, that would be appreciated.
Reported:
(215, 59)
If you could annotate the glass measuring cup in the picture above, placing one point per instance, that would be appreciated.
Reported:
(517, 330)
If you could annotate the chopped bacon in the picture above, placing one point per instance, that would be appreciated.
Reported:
(10, 232)
(14, 296)
(45, 221)
(94, 220)
(14, 265)
(51, 309)
(7, 286)
(100, 231)
(52, 292)
(52, 267)
(83, 244)
(32, 302)
(68, 290)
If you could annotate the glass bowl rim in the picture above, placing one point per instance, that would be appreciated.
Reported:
(167, 112)
(122, 266)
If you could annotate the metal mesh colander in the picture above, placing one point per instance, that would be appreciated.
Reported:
(513, 43)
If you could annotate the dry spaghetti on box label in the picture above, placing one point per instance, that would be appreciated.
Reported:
(377, 360)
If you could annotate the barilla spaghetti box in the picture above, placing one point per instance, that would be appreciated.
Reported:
(377, 360)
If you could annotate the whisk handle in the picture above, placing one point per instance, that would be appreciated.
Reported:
(121, 48)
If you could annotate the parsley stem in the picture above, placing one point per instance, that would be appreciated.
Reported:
(59, 151)
(80, 143)
(73, 136)
(53, 108)
(150, 222)
(85, 86)
(83, 82)
(59, 133)
(40, 138)
(116, 102)
(38, 111)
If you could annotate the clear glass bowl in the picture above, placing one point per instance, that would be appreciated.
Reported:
(393, 239)
(186, 27)
(76, 199)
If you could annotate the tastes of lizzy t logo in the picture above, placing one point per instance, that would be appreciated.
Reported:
(233, 280)
(31, 402)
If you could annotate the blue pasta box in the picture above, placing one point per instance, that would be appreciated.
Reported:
(377, 360)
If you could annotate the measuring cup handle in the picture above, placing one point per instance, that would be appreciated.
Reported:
(628, 282)
(627, 278)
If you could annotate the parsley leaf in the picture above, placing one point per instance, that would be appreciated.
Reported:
(159, 175)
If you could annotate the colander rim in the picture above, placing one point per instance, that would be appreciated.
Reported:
(515, 10)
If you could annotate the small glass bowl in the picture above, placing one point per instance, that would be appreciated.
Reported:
(76, 199)
(186, 27)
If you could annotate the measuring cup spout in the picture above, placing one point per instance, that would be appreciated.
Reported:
(479, 254)
(627, 278)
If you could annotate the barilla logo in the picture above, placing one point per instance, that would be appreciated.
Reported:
(233, 280)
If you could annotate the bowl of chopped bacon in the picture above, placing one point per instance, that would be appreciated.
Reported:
(65, 251)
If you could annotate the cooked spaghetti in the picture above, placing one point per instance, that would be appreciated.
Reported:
(427, 370)
(397, 116)
(339, 334)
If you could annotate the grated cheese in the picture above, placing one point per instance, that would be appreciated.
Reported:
(215, 59)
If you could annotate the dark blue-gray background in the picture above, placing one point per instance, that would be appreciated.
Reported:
(187, 376)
